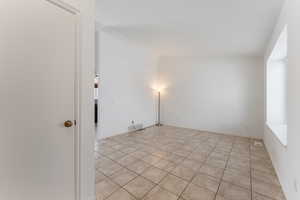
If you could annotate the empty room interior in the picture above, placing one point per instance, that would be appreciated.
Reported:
(196, 101)
(150, 100)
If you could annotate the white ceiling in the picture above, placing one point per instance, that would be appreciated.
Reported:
(193, 27)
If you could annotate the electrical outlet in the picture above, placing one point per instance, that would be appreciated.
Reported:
(296, 185)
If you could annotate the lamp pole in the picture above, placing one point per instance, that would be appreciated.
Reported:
(158, 121)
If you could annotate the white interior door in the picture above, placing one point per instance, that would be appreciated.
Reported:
(38, 62)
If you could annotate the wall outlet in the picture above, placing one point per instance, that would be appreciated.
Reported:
(296, 186)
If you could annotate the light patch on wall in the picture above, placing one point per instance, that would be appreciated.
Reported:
(276, 88)
(159, 87)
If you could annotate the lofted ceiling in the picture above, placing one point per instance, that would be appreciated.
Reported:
(193, 27)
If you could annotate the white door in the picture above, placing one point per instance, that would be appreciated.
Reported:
(38, 62)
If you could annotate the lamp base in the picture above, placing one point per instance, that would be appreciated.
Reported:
(158, 124)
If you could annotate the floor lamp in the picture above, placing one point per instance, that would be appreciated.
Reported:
(158, 110)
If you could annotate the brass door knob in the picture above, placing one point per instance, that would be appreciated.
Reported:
(68, 123)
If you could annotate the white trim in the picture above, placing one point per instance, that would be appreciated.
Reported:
(77, 115)
(77, 94)
(279, 131)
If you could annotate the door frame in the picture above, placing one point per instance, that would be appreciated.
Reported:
(77, 91)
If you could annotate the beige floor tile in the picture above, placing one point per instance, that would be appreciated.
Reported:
(233, 192)
(244, 161)
(159, 193)
(198, 156)
(118, 146)
(139, 154)
(128, 150)
(149, 149)
(255, 159)
(263, 166)
(182, 152)
(121, 194)
(266, 177)
(212, 171)
(266, 189)
(165, 165)
(116, 155)
(126, 160)
(237, 178)
(260, 197)
(123, 176)
(99, 177)
(102, 162)
(242, 170)
(105, 150)
(105, 188)
(151, 159)
(108, 170)
(173, 184)
(207, 182)
(239, 166)
(220, 155)
(161, 154)
(224, 148)
(243, 151)
(260, 155)
(215, 162)
(139, 187)
(154, 174)
(175, 158)
(139, 167)
(194, 192)
(220, 198)
(205, 149)
(192, 164)
(184, 173)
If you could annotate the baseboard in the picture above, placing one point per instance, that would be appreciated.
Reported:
(213, 132)
(127, 132)
(192, 129)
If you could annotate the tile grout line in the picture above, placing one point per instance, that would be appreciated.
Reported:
(170, 173)
(224, 170)
(190, 182)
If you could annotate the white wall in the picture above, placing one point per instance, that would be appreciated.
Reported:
(127, 73)
(286, 159)
(222, 95)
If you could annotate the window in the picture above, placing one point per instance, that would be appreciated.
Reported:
(276, 88)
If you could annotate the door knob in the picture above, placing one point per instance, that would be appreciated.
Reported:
(68, 123)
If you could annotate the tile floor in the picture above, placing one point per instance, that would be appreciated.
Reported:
(169, 163)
